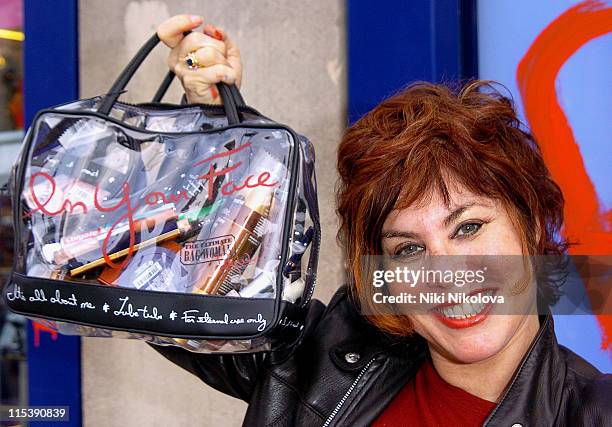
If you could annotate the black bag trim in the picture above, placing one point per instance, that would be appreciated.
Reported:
(310, 194)
(137, 311)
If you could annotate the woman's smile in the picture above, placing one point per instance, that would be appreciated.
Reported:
(466, 314)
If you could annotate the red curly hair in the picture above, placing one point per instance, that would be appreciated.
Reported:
(404, 148)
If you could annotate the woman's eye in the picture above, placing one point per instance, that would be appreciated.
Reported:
(407, 250)
(467, 229)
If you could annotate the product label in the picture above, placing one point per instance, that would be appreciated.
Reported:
(153, 269)
(202, 251)
(83, 236)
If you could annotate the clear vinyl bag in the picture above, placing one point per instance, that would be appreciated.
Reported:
(188, 225)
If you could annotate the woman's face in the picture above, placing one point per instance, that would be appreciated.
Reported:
(442, 237)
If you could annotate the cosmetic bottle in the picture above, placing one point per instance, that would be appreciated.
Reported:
(155, 268)
(243, 224)
(242, 229)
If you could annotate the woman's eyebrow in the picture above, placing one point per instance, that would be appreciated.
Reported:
(389, 234)
(456, 214)
(458, 211)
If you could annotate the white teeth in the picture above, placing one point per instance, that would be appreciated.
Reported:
(463, 311)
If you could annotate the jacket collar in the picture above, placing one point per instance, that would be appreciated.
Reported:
(367, 341)
(534, 392)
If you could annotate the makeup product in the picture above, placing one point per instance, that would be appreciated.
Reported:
(195, 214)
(47, 272)
(52, 179)
(145, 224)
(153, 154)
(155, 268)
(67, 176)
(59, 275)
(46, 159)
(37, 269)
(293, 268)
(196, 188)
(90, 242)
(294, 290)
(105, 169)
(183, 279)
(244, 228)
(183, 229)
(47, 191)
(243, 224)
(262, 286)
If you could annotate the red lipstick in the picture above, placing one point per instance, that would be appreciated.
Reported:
(443, 312)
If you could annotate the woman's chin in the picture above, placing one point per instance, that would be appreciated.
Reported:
(473, 350)
(472, 344)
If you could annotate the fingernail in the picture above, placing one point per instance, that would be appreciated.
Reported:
(214, 92)
(196, 19)
(217, 34)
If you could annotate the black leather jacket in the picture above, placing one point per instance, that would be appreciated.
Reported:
(344, 372)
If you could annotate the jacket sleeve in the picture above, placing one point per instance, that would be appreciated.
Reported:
(234, 374)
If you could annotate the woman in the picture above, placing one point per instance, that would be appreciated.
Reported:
(429, 173)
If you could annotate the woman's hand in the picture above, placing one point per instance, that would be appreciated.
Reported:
(217, 56)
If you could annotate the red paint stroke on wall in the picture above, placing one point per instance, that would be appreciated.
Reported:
(38, 328)
(585, 220)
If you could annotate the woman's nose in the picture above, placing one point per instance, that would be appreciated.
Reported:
(439, 249)
(445, 258)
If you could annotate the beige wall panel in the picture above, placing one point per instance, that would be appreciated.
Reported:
(294, 61)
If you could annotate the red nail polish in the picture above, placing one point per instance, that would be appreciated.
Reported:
(214, 92)
(218, 35)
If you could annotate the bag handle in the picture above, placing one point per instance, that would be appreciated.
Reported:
(165, 84)
(227, 94)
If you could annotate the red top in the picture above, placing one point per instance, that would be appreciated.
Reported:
(428, 400)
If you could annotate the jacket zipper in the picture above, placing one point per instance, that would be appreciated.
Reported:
(347, 394)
